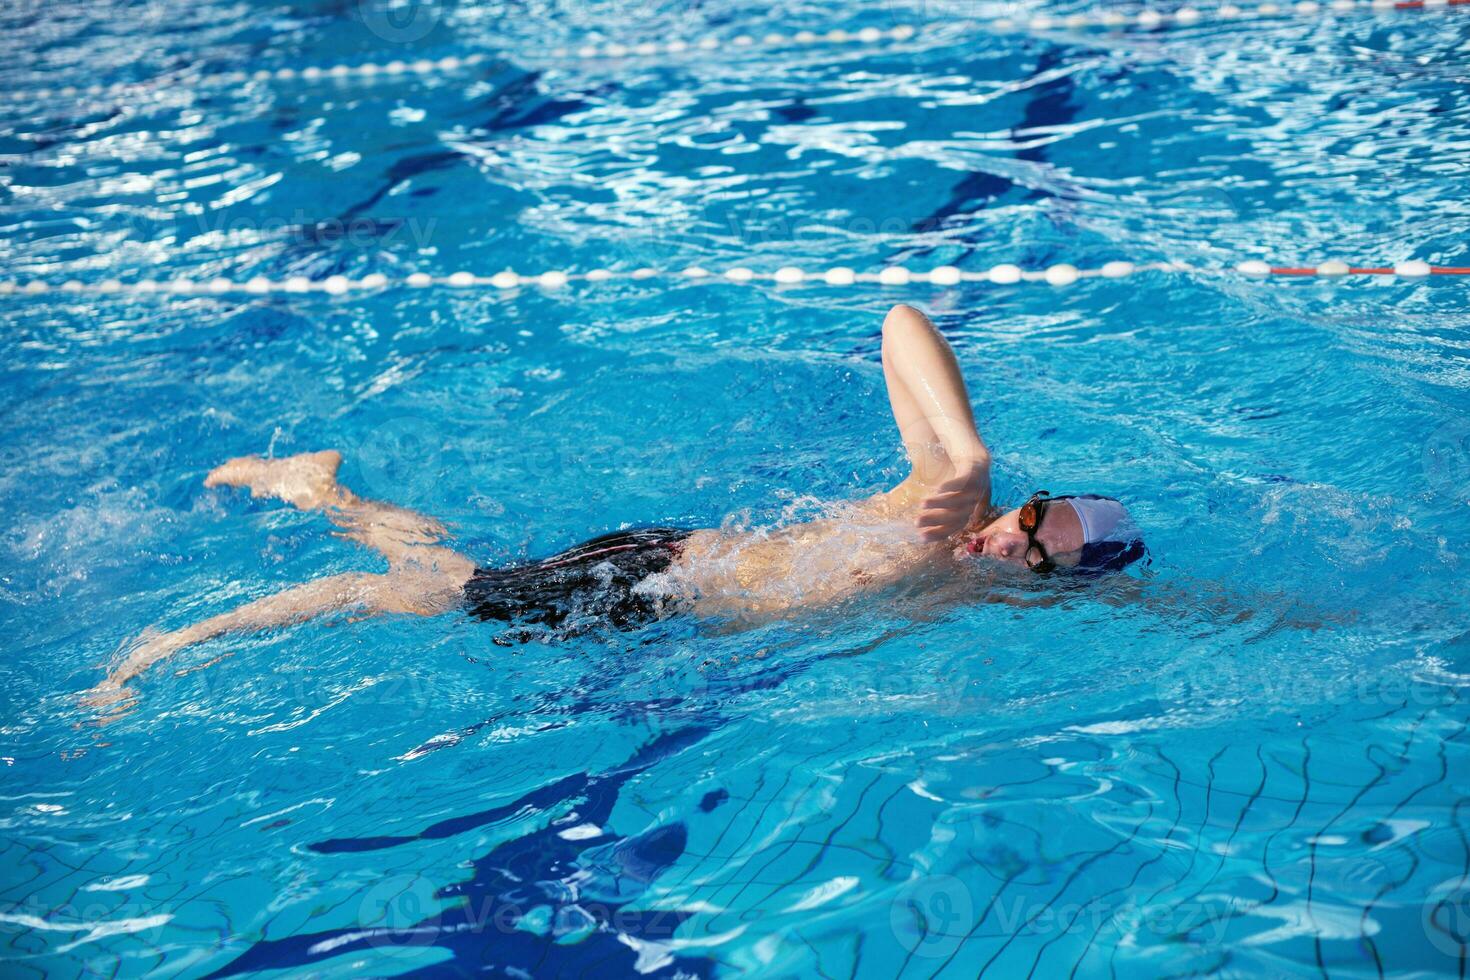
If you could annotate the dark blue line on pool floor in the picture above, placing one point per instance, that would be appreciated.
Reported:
(527, 873)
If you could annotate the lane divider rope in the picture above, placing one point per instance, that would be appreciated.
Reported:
(1147, 19)
(388, 69)
(1150, 19)
(1062, 274)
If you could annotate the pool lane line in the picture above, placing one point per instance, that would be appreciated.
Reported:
(451, 64)
(367, 70)
(1005, 274)
(1145, 20)
(398, 68)
(1255, 268)
(1355, 271)
(1149, 19)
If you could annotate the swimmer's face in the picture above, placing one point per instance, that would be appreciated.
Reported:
(1002, 539)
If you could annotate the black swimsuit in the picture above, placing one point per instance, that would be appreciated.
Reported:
(595, 580)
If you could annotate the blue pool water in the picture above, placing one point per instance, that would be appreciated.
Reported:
(1248, 759)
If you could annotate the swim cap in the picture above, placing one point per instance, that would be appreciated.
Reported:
(1110, 539)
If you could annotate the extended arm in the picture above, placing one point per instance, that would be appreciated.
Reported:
(950, 482)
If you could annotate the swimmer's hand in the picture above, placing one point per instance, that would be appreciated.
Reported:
(107, 702)
(113, 695)
(105, 695)
(951, 506)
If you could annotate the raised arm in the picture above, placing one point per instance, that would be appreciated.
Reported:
(950, 482)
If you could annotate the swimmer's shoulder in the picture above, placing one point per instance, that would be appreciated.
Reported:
(701, 543)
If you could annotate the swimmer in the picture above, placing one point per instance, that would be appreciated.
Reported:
(935, 521)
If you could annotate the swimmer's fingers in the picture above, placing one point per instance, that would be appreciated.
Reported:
(947, 511)
(108, 698)
(939, 523)
(102, 695)
(968, 488)
(953, 495)
(936, 533)
(952, 500)
(948, 501)
(966, 482)
(944, 522)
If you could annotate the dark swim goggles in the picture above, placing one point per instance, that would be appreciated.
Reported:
(1032, 513)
